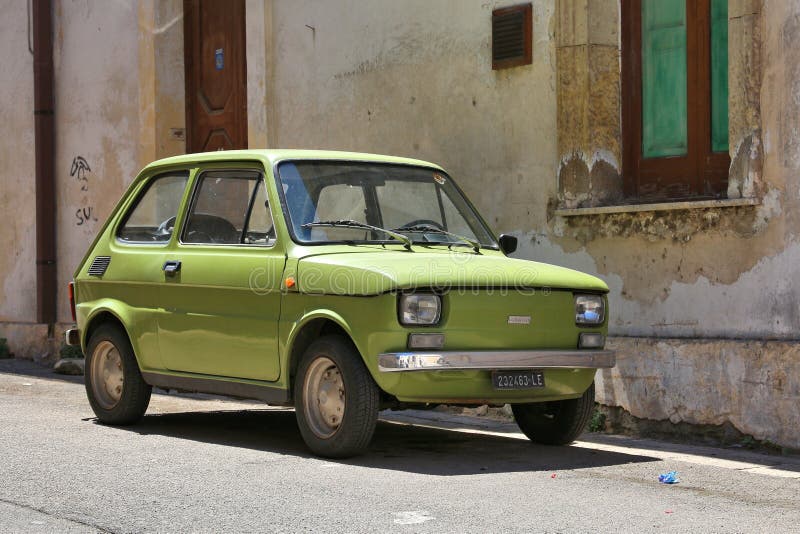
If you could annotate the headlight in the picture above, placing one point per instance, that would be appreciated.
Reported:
(589, 309)
(420, 309)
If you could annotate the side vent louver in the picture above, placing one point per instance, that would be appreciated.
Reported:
(99, 265)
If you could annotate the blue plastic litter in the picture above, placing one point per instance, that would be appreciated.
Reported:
(669, 478)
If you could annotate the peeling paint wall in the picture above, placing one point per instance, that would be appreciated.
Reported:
(588, 77)
(699, 296)
(722, 272)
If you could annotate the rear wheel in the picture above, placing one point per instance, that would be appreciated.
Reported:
(555, 423)
(117, 393)
(336, 400)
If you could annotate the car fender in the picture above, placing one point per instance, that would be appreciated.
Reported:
(299, 325)
(144, 345)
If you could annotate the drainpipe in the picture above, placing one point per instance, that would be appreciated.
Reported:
(46, 274)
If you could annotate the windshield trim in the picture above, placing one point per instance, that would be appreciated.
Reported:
(290, 228)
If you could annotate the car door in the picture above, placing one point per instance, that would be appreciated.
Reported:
(221, 296)
(131, 270)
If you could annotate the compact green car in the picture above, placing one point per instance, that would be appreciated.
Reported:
(339, 283)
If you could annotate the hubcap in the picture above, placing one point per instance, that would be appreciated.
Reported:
(107, 375)
(323, 397)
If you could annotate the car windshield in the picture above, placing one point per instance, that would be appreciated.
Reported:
(369, 202)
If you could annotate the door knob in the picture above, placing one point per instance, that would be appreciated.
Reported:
(171, 267)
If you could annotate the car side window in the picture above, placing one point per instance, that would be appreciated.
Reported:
(152, 217)
(260, 229)
(229, 208)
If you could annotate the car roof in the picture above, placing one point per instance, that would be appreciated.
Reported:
(273, 156)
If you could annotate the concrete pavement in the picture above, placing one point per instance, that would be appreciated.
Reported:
(213, 465)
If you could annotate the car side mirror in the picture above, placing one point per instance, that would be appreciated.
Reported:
(508, 243)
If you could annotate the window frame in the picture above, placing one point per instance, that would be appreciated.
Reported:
(195, 186)
(701, 173)
(140, 194)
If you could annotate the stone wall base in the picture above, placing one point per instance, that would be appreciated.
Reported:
(32, 341)
(753, 386)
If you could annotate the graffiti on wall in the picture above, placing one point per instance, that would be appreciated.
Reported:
(80, 170)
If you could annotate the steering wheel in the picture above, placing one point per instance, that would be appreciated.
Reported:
(422, 222)
(166, 227)
(198, 236)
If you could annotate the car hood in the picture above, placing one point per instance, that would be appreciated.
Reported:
(372, 273)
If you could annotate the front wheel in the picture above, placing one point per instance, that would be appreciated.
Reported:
(114, 385)
(557, 422)
(336, 400)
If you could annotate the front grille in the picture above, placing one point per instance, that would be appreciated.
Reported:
(99, 265)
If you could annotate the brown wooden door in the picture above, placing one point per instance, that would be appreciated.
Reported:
(216, 75)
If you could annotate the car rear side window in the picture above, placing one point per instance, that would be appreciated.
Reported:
(229, 208)
(152, 217)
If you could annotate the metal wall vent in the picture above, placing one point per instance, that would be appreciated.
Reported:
(99, 265)
(512, 38)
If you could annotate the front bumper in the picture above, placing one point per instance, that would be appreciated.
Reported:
(511, 359)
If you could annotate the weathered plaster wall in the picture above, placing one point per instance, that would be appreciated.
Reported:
(685, 272)
(700, 291)
(694, 273)
(744, 91)
(166, 34)
(414, 78)
(119, 100)
(754, 385)
(100, 118)
(17, 169)
(588, 78)
(259, 69)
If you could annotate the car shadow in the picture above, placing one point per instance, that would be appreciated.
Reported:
(396, 446)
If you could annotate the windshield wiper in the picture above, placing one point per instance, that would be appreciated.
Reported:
(349, 223)
(433, 230)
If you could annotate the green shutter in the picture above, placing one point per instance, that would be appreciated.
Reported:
(664, 78)
(719, 75)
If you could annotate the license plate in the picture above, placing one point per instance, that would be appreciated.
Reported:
(517, 379)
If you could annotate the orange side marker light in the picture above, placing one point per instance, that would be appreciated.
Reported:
(290, 282)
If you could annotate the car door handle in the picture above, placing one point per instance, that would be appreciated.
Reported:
(171, 267)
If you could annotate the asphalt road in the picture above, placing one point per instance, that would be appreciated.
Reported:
(211, 465)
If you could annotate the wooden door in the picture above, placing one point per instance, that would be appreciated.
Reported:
(216, 75)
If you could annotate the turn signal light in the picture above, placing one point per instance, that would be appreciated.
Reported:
(425, 341)
(591, 340)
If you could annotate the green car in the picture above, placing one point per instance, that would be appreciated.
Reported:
(339, 283)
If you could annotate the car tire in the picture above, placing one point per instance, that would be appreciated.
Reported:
(557, 422)
(117, 392)
(336, 399)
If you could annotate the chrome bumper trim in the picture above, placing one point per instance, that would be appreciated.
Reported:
(511, 359)
(72, 337)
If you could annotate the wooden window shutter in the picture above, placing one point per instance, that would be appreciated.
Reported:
(512, 36)
(674, 99)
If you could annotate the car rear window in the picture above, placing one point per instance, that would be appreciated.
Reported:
(152, 218)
